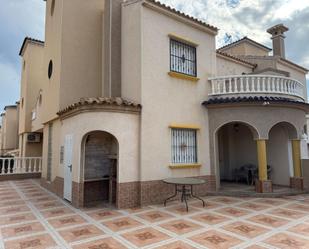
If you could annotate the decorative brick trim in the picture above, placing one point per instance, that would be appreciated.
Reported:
(128, 195)
(263, 186)
(297, 183)
(19, 176)
(55, 186)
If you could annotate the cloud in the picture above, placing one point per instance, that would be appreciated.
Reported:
(18, 18)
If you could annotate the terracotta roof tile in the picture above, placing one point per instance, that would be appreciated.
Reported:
(215, 101)
(244, 39)
(27, 39)
(236, 58)
(115, 101)
(169, 8)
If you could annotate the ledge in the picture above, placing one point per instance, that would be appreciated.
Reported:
(185, 126)
(185, 166)
(183, 76)
(183, 39)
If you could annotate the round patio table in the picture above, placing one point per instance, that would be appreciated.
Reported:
(185, 187)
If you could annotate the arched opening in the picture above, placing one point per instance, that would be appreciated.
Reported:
(100, 168)
(279, 153)
(237, 155)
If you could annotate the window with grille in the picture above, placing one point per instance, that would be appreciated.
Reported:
(182, 58)
(184, 146)
(49, 151)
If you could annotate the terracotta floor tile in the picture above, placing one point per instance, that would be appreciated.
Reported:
(17, 218)
(253, 206)
(138, 210)
(14, 210)
(255, 247)
(299, 207)
(209, 205)
(180, 226)
(176, 245)
(181, 209)
(121, 224)
(145, 237)
(42, 199)
(245, 229)
(108, 243)
(24, 229)
(301, 229)
(232, 212)
(104, 214)
(215, 240)
(210, 218)
(67, 221)
(56, 212)
(226, 200)
(9, 197)
(269, 220)
(270, 201)
(11, 203)
(287, 213)
(80, 233)
(285, 241)
(154, 216)
(49, 204)
(34, 242)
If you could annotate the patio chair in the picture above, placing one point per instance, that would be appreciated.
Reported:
(240, 174)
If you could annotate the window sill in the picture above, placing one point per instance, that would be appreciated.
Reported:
(183, 76)
(185, 166)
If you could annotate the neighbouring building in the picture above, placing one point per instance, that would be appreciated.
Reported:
(9, 131)
(127, 93)
(30, 128)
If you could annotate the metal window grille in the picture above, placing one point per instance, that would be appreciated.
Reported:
(182, 58)
(50, 154)
(184, 146)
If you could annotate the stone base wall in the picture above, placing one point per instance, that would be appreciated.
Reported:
(55, 186)
(263, 186)
(131, 194)
(297, 183)
(19, 176)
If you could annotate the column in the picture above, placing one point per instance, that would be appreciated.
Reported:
(262, 159)
(296, 158)
(297, 181)
(263, 185)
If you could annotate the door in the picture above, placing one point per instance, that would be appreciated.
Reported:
(68, 153)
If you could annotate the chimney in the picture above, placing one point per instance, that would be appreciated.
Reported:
(278, 36)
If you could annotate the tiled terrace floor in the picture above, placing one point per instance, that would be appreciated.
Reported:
(31, 217)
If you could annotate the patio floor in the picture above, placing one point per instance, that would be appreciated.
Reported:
(31, 217)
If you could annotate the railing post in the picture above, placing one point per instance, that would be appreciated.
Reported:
(230, 85)
(212, 86)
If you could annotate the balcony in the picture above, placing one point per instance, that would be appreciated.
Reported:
(257, 85)
(20, 166)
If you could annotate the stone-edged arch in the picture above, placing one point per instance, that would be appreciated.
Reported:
(292, 131)
(99, 160)
(216, 168)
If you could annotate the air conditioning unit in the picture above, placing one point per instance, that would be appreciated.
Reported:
(33, 138)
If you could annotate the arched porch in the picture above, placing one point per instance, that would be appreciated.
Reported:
(99, 168)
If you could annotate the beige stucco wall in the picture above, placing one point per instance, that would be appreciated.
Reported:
(123, 126)
(31, 83)
(245, 48)
(227, 67)
(10, 129)
(165, 100)
(74, 43)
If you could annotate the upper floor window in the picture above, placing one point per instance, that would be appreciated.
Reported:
(182, 58)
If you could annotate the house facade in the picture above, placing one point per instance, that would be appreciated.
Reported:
(133, 92)
(9, 131)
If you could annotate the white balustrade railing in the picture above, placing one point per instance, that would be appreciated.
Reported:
(20, 165)
(256, 84)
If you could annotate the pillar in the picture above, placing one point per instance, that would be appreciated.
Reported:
(262, 185)
(297, 181)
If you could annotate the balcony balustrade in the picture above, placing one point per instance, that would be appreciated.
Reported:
(20, 165)
(253, 85)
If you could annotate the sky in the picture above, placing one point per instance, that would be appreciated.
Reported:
(234, 18)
